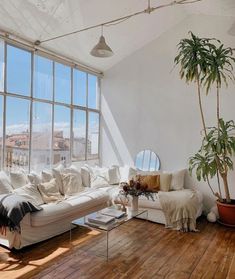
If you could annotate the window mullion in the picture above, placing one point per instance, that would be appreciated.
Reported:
(31, 114)
(71, 118)
(52, 117)
(4, 109)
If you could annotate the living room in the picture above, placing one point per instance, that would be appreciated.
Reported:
(129, 106)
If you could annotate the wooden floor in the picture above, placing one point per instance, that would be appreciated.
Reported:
(138, 249)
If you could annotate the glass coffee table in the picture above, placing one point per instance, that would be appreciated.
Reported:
(129, 215)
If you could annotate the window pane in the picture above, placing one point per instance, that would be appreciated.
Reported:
(93, 135)
(79, 88)
(1, 122)
(17, 133)
(79, 135)
(62, 83)
(1, 65)
(18, 71)
(61, 140)
(43, 78)
(93, 96)
(41, 136)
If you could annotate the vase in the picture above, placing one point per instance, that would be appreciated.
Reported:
(134, 204)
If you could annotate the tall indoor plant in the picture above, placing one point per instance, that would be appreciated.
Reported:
(208, 62)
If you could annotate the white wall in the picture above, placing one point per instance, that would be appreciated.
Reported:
(146, 105)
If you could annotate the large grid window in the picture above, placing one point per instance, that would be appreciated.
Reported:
(49, 111)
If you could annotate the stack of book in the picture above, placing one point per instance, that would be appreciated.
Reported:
(105, 217)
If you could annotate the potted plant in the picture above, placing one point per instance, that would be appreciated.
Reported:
(208, 62)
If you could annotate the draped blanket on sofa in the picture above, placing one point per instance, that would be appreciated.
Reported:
(13, 208)
(180, 209)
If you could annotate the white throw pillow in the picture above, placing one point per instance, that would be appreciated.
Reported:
(5, 183)
(71, 184)
(73, 169)
(165, 181)
(177, 181)
(57, 175)
(50, 191)
(85, 174)
(46, 176)
(30, 192)
(18, 179)
(99, 177)
(34, 178)
(114, 175)
(127, 173)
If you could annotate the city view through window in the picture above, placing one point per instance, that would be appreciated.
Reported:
(49, 112)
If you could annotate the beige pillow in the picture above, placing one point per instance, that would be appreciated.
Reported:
(50, 191)
(151, 181)
(71, 185)
(165, 182)
(177, 182)
(46, 176)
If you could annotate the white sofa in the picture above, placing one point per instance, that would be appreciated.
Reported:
(155, 213)
(55, 218)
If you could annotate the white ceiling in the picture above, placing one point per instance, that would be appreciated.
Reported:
(42, 19)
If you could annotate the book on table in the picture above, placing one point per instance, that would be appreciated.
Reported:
(113, 212)
(101, 219)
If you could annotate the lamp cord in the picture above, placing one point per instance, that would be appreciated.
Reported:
(121, 19)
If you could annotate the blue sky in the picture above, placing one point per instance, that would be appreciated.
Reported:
(19, 82)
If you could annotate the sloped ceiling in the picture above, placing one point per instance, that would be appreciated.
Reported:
(42, 19)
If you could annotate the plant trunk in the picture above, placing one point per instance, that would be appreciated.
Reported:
(218, 126)
(200, 104)
(226, 189)
(218, 107)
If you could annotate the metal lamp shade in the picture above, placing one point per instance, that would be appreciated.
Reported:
(101, 49)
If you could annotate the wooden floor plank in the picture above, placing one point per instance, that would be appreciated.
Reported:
(138, 250)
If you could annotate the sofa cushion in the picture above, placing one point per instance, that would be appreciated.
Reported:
(46, 176)
(73, 169)
(85, 174)
(114, 175)
(5, 183)
(50, 191)
(152, 182)
(34, 178)
(127, 173)
(165, 181)
(149, 203)
(99, 176)
(83, 201)
(18, 179)
(71, 184)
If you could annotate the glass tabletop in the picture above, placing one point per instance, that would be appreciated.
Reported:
(84, 221)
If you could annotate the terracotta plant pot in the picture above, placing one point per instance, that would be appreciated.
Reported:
(227, 213)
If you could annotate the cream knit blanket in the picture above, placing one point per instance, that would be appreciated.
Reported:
(180, 209)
